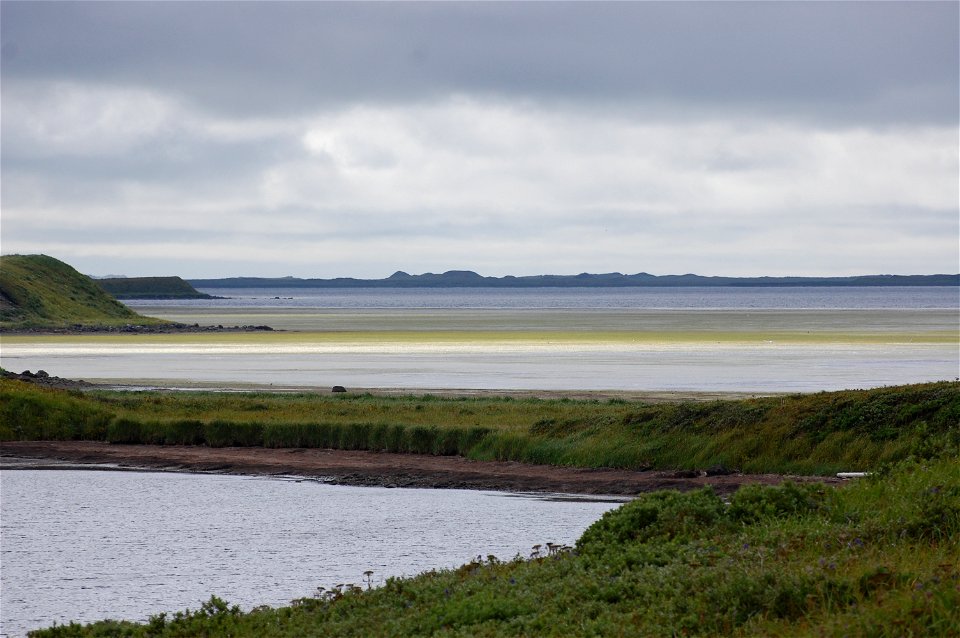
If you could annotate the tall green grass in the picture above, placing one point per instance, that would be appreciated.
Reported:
(808, 434)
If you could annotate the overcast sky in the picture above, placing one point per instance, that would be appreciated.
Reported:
(356, 139)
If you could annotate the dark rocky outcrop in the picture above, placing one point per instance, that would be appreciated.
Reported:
(165, 328)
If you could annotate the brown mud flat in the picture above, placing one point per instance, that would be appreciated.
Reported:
(342, 467)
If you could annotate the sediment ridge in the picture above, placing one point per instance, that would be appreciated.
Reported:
(384, 469)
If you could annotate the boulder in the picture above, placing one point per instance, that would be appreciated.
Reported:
(719, 470)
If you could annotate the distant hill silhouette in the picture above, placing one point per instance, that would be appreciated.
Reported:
(470, 279)
(150, 288)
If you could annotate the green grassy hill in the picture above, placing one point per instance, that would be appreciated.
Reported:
(150, 288)
(37, 291)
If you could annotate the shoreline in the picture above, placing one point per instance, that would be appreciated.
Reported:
(378, 469)
(77, 330)
(42, 378)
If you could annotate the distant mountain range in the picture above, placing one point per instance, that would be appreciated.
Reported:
(470, 279)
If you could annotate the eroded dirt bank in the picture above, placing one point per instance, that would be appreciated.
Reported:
(378, 468)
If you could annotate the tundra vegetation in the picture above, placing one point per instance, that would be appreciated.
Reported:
(818, 433)
(37, 291)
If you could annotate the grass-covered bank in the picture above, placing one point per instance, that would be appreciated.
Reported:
(878, 558)
(37, 291)
(808, 434)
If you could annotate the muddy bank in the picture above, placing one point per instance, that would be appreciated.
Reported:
(381, 468)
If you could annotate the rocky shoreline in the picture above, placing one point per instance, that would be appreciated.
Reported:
(139, 329)
(43, 378)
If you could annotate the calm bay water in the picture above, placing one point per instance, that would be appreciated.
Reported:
(86, 545)
(577, 298)
(683, 339)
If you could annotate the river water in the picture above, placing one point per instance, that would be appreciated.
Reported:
(86, 545)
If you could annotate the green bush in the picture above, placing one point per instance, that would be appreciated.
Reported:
(184, 432)
(124, 431)
(422, 440)
(230, 434)
(660, 515)
(754, 502)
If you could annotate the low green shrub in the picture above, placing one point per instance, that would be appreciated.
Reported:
(230, 434)
(422, 440)
(184, 432)
(752, 503)
(124, 431)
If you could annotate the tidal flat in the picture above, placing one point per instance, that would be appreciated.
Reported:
(932, 322)
(595, 351)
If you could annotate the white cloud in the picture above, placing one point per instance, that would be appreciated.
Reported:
(463, 155)
(502, 187)
(63, 118)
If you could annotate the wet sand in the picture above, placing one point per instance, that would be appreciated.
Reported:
(383, 469)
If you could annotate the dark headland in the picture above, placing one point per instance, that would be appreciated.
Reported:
(150, 288)
(41, 294)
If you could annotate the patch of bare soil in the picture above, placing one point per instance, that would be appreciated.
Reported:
(383, 469)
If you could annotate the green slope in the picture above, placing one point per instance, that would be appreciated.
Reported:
(37, 291)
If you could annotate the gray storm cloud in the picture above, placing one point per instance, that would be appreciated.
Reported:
(327, 139)
(891, 61)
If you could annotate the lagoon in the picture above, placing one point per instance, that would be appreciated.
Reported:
(86, 545)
